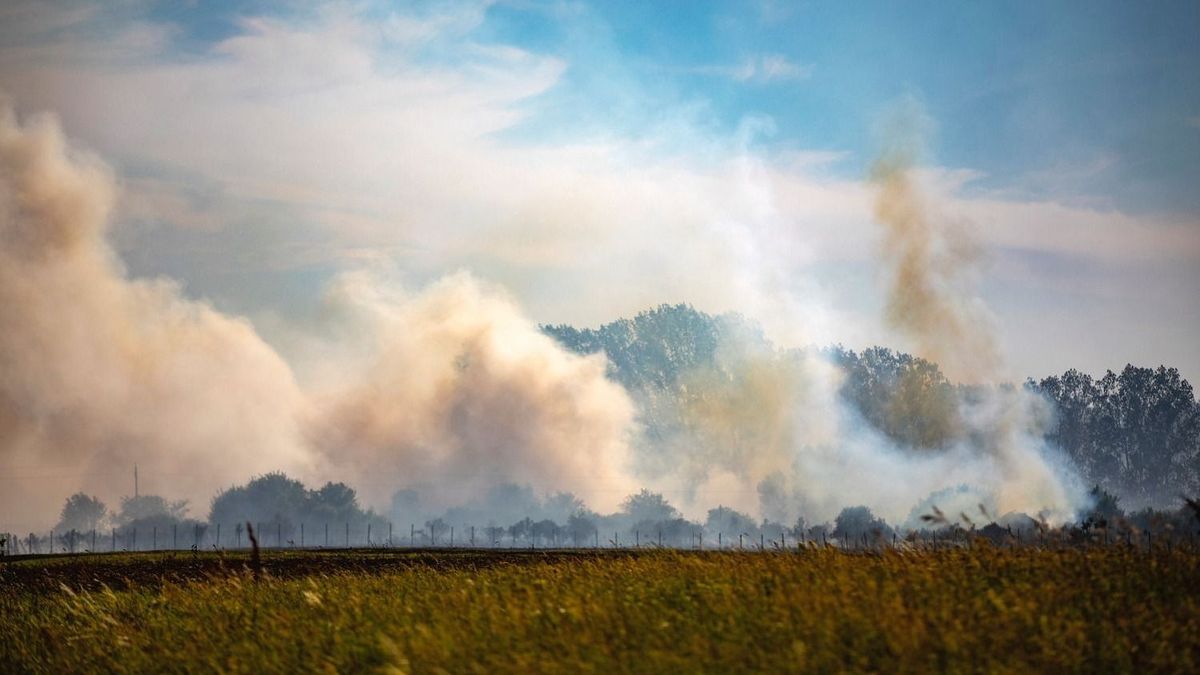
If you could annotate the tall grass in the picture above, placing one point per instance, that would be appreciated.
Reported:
(969, 609)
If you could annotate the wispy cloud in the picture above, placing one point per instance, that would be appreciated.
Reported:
(333, 137)
(761, 69)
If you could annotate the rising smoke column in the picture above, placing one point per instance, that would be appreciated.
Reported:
(771, 433)
(930, 258)
(99, 371)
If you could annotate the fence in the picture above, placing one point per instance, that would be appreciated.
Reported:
(278, 535)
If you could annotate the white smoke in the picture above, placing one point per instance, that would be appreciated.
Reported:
(771, 434)
(450, 386)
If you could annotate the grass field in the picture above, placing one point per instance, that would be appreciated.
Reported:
(972, 609)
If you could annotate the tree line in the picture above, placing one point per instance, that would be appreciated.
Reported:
(1135, 434)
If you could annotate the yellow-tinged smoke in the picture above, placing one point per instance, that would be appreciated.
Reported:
(449, 387)
(462, 392)
(99, 371)
(930, 257)
(930, 300)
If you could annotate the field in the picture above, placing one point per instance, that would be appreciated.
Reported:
(979, 608)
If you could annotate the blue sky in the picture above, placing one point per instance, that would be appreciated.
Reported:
(594, 158)
(1106, 90)
(1103, 94)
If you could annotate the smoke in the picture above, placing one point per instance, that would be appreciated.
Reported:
(769, 432)
(98, 371)
(451, 389)
(930, 258)
(461, 392)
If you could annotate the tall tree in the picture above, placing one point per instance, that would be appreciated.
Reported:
(82, 513)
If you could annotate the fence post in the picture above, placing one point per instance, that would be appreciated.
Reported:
(389, 534)
(301, 535)
(412, 533)
(218, 542)
(368, 534)
(347, 535)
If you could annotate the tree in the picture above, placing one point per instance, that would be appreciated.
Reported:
(906, 398)
(728, 522)
(1136, 434)
(332, 503)
(494, 533)
(81, 513)
(436, 528)
(855, 521)
(520, 529)
(150, 507)
(266, 499)
(544, 531)
(647, 505)
(561, 505)
(1105, 506)
(581, 527)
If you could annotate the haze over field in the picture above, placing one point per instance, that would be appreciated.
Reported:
(326, 242)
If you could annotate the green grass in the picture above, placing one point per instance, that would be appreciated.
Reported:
(980, 609)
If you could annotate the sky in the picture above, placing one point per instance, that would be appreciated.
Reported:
(598, 159)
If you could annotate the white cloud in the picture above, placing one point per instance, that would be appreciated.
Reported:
(318, 144)
(761, 69)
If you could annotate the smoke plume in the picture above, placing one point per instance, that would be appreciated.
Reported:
(98, 371)
(461, 392)
(451, 387)
(930, 258)
(768, 431)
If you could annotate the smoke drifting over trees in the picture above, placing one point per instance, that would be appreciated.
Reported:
(447, 406)
(460, 391)
(99, 371)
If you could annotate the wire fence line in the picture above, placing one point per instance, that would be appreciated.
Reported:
(274, 536)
